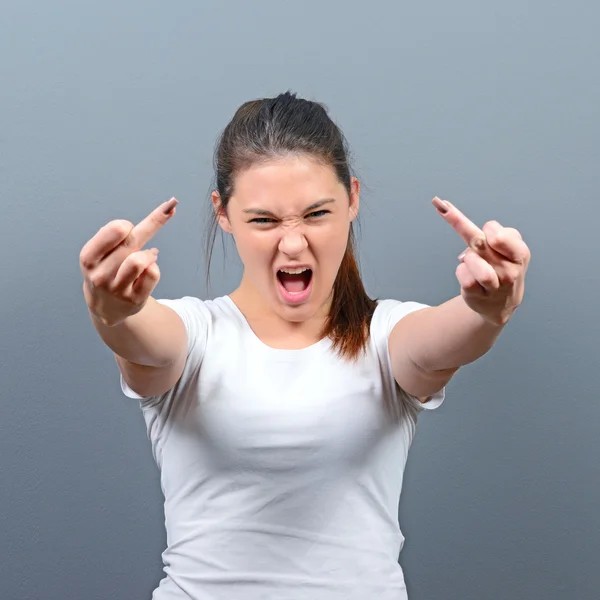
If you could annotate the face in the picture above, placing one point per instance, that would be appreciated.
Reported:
(290, 219)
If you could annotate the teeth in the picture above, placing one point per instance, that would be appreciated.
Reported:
(294, 271)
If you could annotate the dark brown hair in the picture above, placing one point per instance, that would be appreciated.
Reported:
(270, 128)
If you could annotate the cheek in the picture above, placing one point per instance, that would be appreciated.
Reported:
(255, 248)
(331, 245)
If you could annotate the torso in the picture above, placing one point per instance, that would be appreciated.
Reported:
(281, 468)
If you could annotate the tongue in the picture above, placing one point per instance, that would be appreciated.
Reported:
(293, 283)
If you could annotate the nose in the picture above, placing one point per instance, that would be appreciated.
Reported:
(292, 243)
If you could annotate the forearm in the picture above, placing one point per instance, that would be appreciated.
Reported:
(154, 337)
(448, 336)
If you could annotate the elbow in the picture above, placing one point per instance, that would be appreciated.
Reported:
(424, 384)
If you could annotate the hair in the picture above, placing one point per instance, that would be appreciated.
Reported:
(267, 129)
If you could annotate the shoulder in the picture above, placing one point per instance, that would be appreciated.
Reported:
(196, 308)
(206, 322)
(389, 312)
(387, 315)
(200, 316)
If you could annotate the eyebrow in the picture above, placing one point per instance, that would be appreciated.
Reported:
(268, 213)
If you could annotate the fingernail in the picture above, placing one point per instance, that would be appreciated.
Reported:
(170, 205)
(462, 255)
(441, 205)
(155, 251)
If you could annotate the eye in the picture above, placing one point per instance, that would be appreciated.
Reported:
(316, 214)
(262, 220)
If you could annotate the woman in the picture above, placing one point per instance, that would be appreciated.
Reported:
(281, 415)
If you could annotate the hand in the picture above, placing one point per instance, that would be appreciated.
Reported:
(492, 269)
(118, 275)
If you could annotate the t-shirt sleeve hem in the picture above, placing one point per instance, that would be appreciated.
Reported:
(190, 311)
(126, 389)
(434, 401)
(393, 312)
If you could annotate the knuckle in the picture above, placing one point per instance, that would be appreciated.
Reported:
(120, 224)
(489, 278)
(492, 225)
(132, 262)
(508, 277)
(153, 272)
(497, 237)
(97, 279)
(136, 262)
(128, 297)
(158, 218)
(85, 259)
(113, 288)
(514, 233)
(121, 227)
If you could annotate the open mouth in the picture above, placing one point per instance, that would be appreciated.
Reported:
(295, 284)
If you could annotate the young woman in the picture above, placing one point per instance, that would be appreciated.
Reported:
(281, 414)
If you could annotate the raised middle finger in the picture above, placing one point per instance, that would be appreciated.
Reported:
(472, 235)
(148, 227)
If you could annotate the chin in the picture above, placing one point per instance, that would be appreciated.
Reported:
(297, 313)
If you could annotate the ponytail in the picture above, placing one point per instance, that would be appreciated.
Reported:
(351, 308)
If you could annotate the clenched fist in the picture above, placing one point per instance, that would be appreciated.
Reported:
(119, 275)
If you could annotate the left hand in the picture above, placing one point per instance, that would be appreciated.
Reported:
(492, 269)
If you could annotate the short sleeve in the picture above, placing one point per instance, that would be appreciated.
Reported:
(195, 317)
(387, 314)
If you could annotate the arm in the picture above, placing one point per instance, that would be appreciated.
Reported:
(428, 346)
(149, 339)
(150, 348)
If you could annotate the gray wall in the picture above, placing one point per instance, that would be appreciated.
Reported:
(107, 109)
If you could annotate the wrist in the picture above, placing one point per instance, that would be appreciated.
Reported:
(113, 321)
(490, 318)
(498, 320)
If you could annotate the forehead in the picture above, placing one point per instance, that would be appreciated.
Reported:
(286, 184)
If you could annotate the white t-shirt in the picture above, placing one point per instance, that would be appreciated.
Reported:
(281, 469)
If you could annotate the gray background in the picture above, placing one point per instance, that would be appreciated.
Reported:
(109, 108)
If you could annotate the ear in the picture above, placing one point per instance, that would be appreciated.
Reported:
(354, 198)
(220, 212)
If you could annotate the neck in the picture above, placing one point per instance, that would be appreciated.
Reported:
(256, 310)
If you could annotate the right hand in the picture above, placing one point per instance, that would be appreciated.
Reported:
(118, 274)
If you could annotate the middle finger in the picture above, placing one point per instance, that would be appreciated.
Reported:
(472, 235)
(148, 227)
